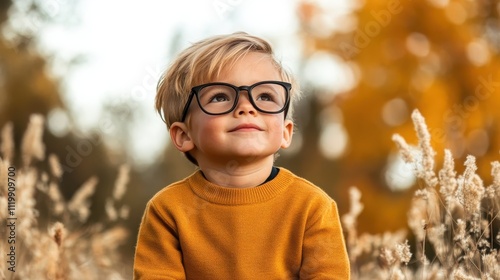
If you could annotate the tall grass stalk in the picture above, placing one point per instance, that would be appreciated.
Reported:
(454, 219)
(66, 248)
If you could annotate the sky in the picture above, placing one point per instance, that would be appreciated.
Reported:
(126, 45)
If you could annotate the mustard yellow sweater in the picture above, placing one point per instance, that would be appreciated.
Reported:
(286, 228)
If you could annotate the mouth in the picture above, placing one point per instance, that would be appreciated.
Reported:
(246, 127)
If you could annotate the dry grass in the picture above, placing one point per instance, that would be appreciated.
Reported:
(453, 218)
(66, 249)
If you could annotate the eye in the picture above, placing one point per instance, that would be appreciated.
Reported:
(219, 97)
(216, 94)
(265, 97)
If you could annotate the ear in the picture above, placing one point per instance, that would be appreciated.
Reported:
(179, 133)
(287, 134)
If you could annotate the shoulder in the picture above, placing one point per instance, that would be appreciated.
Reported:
(172, 193)
(312, 200)
(303, 187)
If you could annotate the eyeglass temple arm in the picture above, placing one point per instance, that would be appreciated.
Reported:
(186, 108)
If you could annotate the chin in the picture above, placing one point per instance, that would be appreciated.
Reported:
(252, 155)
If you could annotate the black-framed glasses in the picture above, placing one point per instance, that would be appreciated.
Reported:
(271, 97)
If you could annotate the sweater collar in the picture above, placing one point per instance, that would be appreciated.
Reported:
(236, 196)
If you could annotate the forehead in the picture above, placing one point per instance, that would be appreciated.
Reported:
(251, 67)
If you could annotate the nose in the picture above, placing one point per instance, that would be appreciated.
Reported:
(244, 105)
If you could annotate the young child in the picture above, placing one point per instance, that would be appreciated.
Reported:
(228, 105)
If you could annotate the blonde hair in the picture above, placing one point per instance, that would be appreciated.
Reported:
(203, 62)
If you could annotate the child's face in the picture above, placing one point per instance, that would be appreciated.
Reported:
(243, 134)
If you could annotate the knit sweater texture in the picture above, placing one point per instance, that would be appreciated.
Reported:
(286, 228)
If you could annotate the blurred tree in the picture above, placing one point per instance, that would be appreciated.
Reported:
(438, 56)
(27, 87)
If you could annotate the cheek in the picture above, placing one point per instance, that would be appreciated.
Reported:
(206, 128)
(276, 126)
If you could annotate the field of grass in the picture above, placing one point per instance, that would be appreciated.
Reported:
(453, 220)
(63, 247)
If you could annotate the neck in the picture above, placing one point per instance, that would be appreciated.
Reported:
(236, 174)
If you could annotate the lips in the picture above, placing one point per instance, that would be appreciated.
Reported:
(246, 127)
